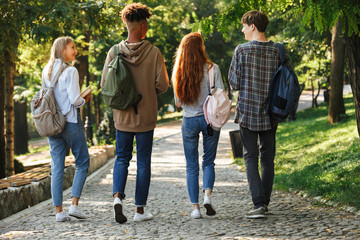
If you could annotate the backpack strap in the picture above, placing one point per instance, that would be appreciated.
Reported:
(56, 78)
(281, 48)
(116, 49)
(211, 78)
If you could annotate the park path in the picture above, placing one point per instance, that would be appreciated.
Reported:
(292, 217)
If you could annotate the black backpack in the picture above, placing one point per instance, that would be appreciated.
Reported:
(119, 89)
(284, 90)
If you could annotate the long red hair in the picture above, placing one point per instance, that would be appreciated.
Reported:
(188, 69)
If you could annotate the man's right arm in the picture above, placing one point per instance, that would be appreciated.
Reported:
(234, 72)
(110, 56)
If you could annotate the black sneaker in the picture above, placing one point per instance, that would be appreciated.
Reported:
(118, 211)
(256, 213)
(266, 209)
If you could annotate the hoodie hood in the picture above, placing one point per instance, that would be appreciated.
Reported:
(135, 52)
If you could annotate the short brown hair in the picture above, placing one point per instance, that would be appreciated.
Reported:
(135, 12)
(259, 19)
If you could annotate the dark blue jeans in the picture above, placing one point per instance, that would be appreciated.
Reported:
(262, 142)
(124, 148)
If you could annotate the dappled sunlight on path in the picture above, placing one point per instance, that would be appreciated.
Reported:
(292, 217)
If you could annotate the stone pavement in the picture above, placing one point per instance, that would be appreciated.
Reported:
(292, 217)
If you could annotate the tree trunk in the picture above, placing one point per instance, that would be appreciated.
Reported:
(21, 128)
(336, 104)
(353, 59)
(2, 124)
(9, 66)
(82, 65)
(97, 102)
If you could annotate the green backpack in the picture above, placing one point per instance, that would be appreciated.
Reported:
(119, 90)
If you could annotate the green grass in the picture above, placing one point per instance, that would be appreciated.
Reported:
(320, 159)
(169, 117)
(33, 150)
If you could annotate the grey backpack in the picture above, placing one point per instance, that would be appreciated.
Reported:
(45, 111)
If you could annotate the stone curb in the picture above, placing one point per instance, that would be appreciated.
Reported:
(36, 192)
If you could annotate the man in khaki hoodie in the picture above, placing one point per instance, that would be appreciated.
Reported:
(147, 68)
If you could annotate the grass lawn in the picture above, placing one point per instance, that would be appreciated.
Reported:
(319, 159)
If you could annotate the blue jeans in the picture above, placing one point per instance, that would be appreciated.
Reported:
(253, 143)
(124, 148)
(191, 128)
(73, 136)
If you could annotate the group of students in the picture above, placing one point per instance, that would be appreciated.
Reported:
(250, 73)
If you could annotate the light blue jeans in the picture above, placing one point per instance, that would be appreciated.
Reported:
(124, 148)
(191, 128)
(73, 136)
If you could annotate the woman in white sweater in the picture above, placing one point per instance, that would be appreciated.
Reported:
(67, 95)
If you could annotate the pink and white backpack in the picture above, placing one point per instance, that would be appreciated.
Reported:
(217, 105)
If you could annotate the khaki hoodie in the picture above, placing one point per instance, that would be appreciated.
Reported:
(147, 68)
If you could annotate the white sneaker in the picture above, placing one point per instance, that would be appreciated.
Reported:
(62, 217)
(142, 217)
(196, 214)
(209, 207)
(75, 211)
(118, 211)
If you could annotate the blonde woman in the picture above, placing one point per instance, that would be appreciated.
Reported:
(67, 95)
(191, 85)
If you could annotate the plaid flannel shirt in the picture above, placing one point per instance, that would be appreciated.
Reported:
(252, 68)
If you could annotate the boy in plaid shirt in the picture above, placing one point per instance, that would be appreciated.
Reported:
(252, 68)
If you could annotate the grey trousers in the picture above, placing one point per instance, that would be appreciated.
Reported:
(262, 142)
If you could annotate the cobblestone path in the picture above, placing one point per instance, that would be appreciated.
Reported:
(291, 217)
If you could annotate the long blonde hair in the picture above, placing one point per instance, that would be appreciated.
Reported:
(57, 50)
(188, 69)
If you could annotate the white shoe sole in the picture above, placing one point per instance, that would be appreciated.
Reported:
(255, 216)
(78, 216)
(140, 219)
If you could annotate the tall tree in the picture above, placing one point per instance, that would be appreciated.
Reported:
(9, 70)
(2, 124)
(338, 47)
(325, 14)
(17, 19)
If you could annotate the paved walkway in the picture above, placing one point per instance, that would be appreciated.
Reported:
(292, 217)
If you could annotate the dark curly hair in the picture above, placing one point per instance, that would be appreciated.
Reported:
(259, 19)
(135, 12)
